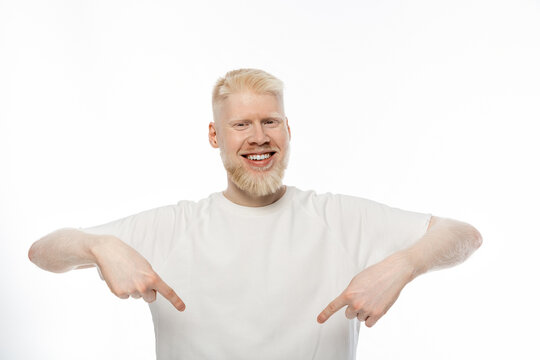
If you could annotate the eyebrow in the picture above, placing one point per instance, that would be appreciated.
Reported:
(273, 117)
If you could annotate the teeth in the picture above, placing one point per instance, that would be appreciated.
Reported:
(258, 157)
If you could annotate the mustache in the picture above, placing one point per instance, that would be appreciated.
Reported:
(258, 150)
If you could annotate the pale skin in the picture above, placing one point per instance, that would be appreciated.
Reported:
(248, 123)
(126, 272)
(373, 291)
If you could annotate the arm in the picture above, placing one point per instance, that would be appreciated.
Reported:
(126, 272)
(373, 291)
(66, 249)
(446, 243)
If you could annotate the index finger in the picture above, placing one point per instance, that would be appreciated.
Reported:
(169, 294)
(334, 306)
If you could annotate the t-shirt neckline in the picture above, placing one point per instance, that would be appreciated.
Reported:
(256, 210)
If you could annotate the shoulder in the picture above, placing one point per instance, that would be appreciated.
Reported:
(329, 198)
(188, 209)
(182, 208)
(329, 203)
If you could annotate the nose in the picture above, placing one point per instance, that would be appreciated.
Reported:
(258, 135)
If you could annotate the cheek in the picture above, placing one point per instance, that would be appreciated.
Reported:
(232, 143)
(283, 139)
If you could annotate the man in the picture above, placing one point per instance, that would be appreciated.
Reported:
(262, 267)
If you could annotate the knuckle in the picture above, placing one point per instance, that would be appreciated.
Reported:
(150, 296)
(358, 304)
(153, 278)
(116, 291)
(131, 291)
(332, 307)
(378, 312)
(141, 288)
(349, 296)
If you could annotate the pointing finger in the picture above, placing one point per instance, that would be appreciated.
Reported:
(169, 294)
(334, 306)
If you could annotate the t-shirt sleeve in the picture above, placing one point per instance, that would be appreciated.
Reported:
(153, 233)
(371, 231)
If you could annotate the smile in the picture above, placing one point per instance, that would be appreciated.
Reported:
(258, 157)
(259, 160)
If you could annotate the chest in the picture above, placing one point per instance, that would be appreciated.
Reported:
(253, 283)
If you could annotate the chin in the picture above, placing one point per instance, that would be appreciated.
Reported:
(256, 182)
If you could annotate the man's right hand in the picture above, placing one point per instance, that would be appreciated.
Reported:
(128, 273)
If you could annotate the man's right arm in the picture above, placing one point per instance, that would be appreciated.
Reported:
(126, 272)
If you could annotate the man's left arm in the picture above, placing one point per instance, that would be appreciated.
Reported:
(373, 291)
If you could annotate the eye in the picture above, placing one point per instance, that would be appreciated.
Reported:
(271, 122)
(241, 125)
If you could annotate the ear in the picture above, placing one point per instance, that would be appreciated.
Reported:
(212, 135)
(288, 128)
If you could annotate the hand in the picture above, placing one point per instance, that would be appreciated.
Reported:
(372, 292)
(128, 273)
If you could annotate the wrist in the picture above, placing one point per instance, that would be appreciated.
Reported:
(409, 262)
(95, 245)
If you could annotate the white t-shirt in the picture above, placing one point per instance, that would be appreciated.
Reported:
(254, 279)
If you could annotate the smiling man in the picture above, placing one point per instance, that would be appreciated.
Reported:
(254, 134)
(261, 268)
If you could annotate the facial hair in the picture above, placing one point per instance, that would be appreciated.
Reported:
(260, 183)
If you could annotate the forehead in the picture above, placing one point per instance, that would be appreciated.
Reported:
(249, 105)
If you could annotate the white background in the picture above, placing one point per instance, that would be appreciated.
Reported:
(428, 106)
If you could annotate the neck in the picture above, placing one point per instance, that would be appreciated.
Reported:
(243, 198)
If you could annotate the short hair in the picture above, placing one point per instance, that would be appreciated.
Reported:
(235, 81)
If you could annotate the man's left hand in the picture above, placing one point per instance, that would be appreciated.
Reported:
(373, 291)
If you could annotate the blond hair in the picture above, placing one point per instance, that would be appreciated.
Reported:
(255, 80)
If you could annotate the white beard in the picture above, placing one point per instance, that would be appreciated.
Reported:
(262, 184)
